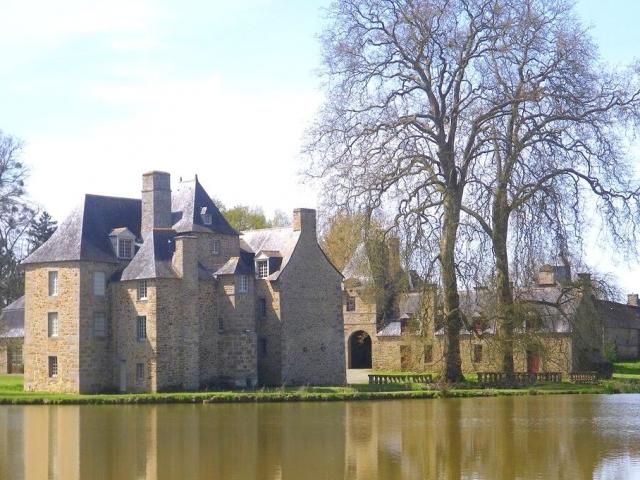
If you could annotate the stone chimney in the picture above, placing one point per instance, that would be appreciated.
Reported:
(632, 299)
(395, 269)
(304, 220)
(185, 257)
(156, 201)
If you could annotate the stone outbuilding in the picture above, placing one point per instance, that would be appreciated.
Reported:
(12, 337)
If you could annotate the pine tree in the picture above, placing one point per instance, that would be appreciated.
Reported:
(40, 230)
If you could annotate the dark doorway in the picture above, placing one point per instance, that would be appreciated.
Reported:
(533, 362)
(360, 350)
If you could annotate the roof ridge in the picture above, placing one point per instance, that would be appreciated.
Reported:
(265, 229)
(112, 196)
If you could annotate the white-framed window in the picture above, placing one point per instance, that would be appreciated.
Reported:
(142, 290)
(263, 268)
(52, 324)
(99, 284)
(215, 246)
(53, 367)
(141, 328)
(53, 283)
(206, 218)
(139, 372)
(351, 303)
(243, 284)
(100, 324)
(125, 248)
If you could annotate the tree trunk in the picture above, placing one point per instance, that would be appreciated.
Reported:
(452, 368)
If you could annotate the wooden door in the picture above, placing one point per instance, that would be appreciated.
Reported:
(533, 362)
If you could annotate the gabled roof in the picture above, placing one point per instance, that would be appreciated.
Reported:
(281, 240)
(241, 265)
(153, 259)
(187, 203)
(84, 235)
(12, 320)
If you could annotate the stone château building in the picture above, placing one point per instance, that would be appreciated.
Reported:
(161, 293)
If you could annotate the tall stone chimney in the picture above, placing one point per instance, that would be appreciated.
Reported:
(156, 201)
(185, 257)
(304, 221)
(632, 299)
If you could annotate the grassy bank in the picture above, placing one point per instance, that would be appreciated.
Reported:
(11, 393)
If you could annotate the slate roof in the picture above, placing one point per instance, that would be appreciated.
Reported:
(241, 265)
(618, 315)
(12, 320)
(187, 203)
(282, 240)
(84, 235)
(153, 259)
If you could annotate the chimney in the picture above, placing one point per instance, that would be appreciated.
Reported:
(185, 258)
(156, 201)
(584, 280)
(632, 299)
(553, 275)
(393, 246)
(304, 220)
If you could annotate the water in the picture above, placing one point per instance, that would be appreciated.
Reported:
(544, 437)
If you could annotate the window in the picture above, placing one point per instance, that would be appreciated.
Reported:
(53, 367)
(100, 324)
(98, 284)
(351, 303)
(52, 324)
(139, 372)
(428, 353)
(243, 284)
(142, 289)
(53, 284)
(262, 347)
(215, 246)
(477, 353)
(206, 218)
(125, 248)
(262, 308)
(263, 268)
(141, 328)
(220, 323)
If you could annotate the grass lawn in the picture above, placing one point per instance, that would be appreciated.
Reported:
(627, 370)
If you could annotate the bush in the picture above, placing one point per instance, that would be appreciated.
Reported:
(604, 369)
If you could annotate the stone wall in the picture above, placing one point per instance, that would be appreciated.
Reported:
(363, 318)
(625, 341)
(269, 329)
(4, 359)
(229, 247)
(209, 335)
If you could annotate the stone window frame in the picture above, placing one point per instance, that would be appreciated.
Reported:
(142, 292)
(52, 283)
(243, 284)
(53, 325)
(262, 268)
(53, 366)
(139, 373)
(141, 328)
(125, 253)
(215, 246)
(102, 285)
(100, 332)
(477, 353)
(351, 303)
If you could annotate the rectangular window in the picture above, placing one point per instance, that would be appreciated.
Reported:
(206, 218)
(220, 323)
(100, 324)
(141, 328)
(53, 284)
(215, 246)
(428, 353)
(262, 347)
(125, 248)
(351, 303)
(99, 284)
(142, 289)
(53, 367)
(139, 372)
(243, 284)
(262, 307)
(477, 353)
(52, 324)
(263, 268)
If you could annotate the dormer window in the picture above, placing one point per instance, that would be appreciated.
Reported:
(206, 216)
(263, 268)
(125, 248)
(122, 241)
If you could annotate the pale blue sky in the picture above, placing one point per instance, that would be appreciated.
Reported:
(102, 91)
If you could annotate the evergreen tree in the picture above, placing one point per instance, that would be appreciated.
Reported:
(40, 230)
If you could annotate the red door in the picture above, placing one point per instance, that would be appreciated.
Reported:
(533, 362)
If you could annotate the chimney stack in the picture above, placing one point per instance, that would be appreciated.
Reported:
(304, 220)
(185, 257)
(156, 201)
(395, 269)
(632, 299)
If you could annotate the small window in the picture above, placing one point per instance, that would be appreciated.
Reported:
(428, 353)
(220, 323)
(215, 246)
(142, 289)
(243, 284)
(262, 347)
(263, 268)
(53, 284)
(100, 324)
(262, 307)
(99, 284)
(53, 367)
(206, 218)
(125, 248)
(141, 328)
(351, 303)
(139, 372)
(477, 353)
(52, 324)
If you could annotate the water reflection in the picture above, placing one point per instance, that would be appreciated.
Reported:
(527, 437)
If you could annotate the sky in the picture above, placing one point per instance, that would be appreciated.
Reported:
(101, 92)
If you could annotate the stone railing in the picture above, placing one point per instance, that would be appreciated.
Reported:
(518, 379)
(383, 379)
(584, 377)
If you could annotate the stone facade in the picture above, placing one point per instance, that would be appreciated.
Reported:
(162, 294)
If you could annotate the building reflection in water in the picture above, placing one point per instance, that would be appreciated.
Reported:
(505, 437)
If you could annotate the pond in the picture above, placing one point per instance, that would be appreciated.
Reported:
(542, 437)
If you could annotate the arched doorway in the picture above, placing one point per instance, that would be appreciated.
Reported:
(360, 350)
